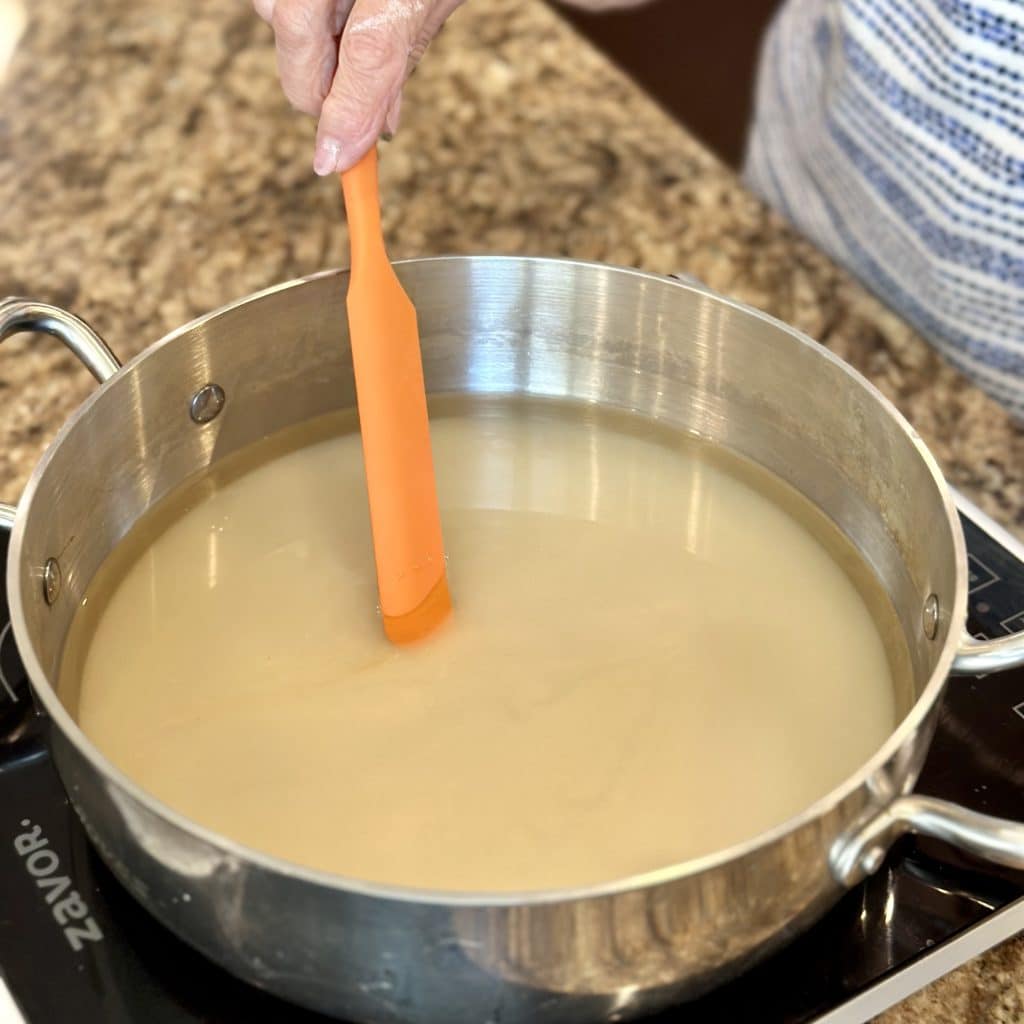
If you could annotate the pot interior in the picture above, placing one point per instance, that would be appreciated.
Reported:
(503, 326)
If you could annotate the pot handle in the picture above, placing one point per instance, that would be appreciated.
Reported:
(860, 853)
(25, 315)
(980, 657)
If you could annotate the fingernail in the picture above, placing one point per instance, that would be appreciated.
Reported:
(325, 158)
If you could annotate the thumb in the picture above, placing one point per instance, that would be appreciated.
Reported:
(373, 62)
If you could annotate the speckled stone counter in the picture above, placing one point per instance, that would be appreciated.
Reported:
(151, 171)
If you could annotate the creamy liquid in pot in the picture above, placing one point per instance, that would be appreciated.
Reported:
(653, 655)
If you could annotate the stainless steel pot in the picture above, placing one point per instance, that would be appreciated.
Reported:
(501, 325)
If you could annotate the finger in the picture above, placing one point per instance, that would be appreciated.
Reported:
(439, 13)
(305, 32)
(373, 62)
(431, 27)
(265, 9)
(381, 44)
(433, 24)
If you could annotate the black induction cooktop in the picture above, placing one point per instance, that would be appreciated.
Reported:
(104, 960)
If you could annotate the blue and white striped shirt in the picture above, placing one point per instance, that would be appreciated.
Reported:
(891, 132)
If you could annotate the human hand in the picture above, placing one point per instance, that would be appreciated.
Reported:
(345, 61)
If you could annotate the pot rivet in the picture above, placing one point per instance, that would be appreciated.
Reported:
(51, 580)
(930, 616)
(206, 403)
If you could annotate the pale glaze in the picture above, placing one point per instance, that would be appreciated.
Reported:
(651, 657)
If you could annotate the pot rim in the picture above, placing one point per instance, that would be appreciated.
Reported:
(678, 871)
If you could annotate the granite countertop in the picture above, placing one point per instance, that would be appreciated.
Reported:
(151, 171)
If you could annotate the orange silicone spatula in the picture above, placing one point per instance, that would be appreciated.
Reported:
(404, 515)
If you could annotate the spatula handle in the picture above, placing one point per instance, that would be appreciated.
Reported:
(362, 207)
